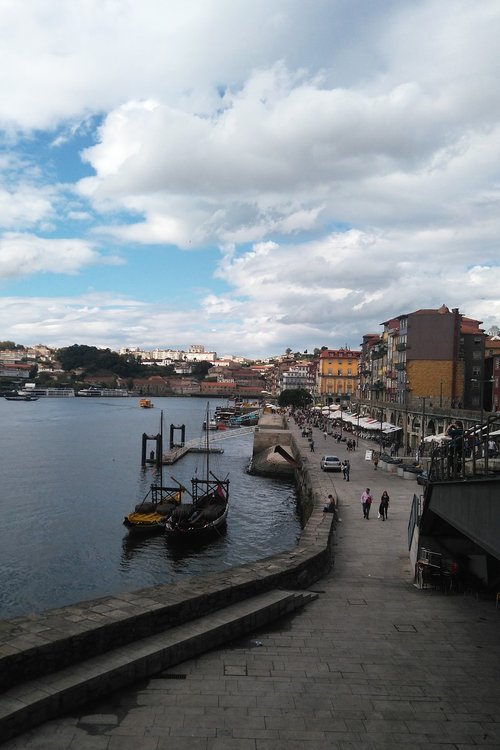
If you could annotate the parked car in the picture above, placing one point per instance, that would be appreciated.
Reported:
(331, 463)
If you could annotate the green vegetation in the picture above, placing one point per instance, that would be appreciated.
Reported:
(200, 369)
(92, 361)
(10, 346)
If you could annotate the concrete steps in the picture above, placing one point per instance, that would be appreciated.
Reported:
(29, 704)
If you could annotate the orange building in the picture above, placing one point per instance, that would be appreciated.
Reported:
(338, 374)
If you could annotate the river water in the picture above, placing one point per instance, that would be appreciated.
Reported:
(70, 470)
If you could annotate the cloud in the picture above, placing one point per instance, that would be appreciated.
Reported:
(342, 156)
(284, 154)
(24, 206)
(25, 255)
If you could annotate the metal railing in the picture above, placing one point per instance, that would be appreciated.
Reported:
(467, 454)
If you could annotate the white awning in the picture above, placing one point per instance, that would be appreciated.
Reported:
(436, 438)
(387, 428)
(369, 424)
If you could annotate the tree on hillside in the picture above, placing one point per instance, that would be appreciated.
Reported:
(10, 346)
(93, 360)
(295, 397)
(200, 369)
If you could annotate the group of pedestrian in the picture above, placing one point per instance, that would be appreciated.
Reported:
(367, 500)
(351, 445)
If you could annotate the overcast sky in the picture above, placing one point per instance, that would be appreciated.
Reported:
(249, 175)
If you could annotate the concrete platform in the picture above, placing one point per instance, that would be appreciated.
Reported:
(373, 663)
(32, 702)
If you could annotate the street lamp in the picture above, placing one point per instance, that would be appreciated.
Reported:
(422, 428)
(381, 427)
(358, 406)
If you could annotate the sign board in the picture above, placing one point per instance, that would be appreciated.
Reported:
(368, 455)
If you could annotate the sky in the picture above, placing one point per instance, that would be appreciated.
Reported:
(249, 175)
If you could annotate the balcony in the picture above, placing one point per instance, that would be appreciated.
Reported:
(400, 366)
(401, 347)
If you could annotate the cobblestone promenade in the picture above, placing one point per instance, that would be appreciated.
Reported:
(372, 664)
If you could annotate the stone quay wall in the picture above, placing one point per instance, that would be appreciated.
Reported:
(42, 643)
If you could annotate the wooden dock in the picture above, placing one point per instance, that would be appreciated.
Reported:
(178, 452)
(198, 446)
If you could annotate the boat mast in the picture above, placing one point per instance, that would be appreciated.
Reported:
(207, 444)
(161, 448)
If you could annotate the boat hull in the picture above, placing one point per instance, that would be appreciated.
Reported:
(195, 530)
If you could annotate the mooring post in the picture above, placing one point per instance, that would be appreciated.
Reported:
(182, 428)
(144, 447)
(159, 451)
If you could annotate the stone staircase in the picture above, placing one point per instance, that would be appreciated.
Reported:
(38, 699)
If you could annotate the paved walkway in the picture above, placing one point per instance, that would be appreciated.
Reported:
(372, 664)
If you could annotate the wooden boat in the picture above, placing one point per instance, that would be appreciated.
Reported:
(207, 512)
(145, 403)
(155, 509)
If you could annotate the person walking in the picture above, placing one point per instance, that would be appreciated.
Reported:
(346, 469)
(311, 444)
(366, 502)
(384, 505)
(375, 461)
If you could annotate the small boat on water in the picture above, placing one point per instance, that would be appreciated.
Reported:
(20, 397)
(91, 392)
(207, 512)
(146, 403)
(231, 416)
(155, 509)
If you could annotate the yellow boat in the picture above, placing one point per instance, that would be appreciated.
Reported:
(145, 403)
(156, 508)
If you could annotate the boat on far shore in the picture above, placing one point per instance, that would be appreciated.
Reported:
(94, 392)
(146, 403)
(20, 397)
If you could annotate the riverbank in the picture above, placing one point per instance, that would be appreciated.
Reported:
(372, 662)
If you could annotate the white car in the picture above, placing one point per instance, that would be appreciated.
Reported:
(331, 463)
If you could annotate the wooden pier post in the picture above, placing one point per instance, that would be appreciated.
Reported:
(182, 428)
(159, 449)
